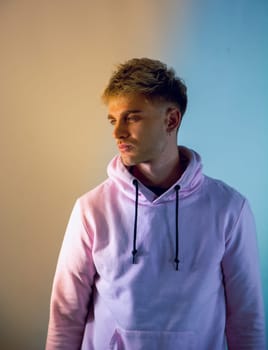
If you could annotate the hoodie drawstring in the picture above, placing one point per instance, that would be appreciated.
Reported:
(134, 251)
(177, 260)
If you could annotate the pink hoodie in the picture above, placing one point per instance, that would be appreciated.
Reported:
(102, 300)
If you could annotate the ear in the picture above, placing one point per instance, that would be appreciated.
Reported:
(173, 119)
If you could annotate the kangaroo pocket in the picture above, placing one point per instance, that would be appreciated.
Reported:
(148, 340)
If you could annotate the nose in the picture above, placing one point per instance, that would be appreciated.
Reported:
(120, 130)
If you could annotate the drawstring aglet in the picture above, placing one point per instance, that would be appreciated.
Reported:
(134, 252)
(177, 261)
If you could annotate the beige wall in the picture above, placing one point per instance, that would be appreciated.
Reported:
(55, 141)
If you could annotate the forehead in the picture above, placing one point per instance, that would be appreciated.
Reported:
(119, 105)
(128, 101)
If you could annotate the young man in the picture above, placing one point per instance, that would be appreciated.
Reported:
(159, 256)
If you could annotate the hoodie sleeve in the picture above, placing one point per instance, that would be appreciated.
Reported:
(245, 327)
(72, 286)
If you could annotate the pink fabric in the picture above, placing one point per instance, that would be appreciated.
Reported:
(100, 300)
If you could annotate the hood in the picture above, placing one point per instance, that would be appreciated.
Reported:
(189, 182)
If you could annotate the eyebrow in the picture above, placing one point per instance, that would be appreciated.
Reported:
(125, 113)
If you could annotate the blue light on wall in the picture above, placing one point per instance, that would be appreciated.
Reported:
(224, 61)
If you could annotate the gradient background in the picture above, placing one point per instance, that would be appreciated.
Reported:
(56, 57)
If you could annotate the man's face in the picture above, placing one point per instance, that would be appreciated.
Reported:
(139, 128)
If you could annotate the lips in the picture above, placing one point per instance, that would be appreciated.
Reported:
(124, 147)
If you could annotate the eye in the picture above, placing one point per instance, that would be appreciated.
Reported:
(133, 118)
(112, 121)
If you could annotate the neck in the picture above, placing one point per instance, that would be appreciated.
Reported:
(162, 175)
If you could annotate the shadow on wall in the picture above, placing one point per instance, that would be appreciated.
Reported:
(14, 335)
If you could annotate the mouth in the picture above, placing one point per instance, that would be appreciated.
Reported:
(124, 147)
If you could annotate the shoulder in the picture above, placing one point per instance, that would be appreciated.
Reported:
(95, 195)
(229, 204)
(222, 188)
(89, 206)
(222, 192)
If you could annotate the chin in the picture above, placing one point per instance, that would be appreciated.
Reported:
(128, 161)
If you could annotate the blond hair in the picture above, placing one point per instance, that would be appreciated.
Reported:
(148, 77)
